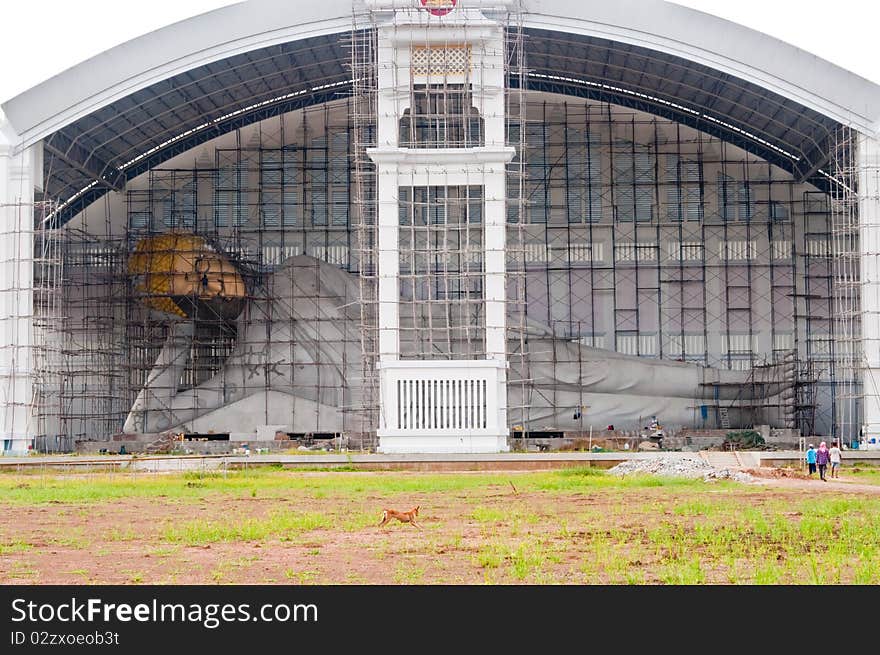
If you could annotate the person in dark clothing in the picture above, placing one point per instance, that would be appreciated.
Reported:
(823, 456)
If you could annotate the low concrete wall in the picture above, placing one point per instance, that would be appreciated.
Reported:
(366, 462)
(375, 462)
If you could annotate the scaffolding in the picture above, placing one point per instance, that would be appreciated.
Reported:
(651, 239)
(644, 251)
(846, 272)
(363, 111)
(48, 354)
(277, 209)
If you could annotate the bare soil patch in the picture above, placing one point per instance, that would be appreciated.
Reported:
(786, 478)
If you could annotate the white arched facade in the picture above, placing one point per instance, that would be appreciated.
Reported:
(692, 35)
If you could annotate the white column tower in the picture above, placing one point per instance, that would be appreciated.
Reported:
(449, 405)
(20, 172)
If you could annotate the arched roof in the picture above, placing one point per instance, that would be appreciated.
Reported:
(135, 106)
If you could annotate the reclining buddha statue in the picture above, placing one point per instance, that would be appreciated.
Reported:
(294, 360)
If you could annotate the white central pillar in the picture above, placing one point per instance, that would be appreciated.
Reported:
(441, 405)
(495, 263)
(18, 173)
(388, 263)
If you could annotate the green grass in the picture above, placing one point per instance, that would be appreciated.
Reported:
(220, 574)
(528, 560)
(525, 561)
(23, 570)
(409, 573)
(592, 479)
(267, 483)
(580, 471)
(698, 507)
(490, 556)
(164, 551)
(489, 514)
(864, 474)
(281, 525)
(14, 547)
(301, 577)
(272, 482)
(683, 571)
(768, 574)
(496, 515)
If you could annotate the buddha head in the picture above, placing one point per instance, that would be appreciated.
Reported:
(182, 275)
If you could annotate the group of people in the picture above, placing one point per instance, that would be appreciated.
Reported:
(820, 459)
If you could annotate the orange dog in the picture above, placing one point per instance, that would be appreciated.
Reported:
(403, 517)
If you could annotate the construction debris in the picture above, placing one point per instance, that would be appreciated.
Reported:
(677, 467)
(166, 442)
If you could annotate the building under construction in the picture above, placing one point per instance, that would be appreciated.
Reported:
(430, 225)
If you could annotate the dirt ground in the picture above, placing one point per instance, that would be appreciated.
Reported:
(781, 478)
(494, 533)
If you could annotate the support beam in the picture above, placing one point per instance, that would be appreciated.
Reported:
(17, 181)
(85, 162)
(806, 171)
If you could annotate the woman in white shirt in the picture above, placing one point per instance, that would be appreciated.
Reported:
(834, 453)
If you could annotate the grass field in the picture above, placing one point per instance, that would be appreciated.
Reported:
(570, 526)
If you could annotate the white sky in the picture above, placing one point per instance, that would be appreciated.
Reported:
(40, 38)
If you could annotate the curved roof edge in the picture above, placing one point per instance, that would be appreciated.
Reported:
(722, 45)
(654, 24)
(168, 51)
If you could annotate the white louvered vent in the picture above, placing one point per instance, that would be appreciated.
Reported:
(694, 344)
(535, 252)
(783, 341)
(780, 249)
(631, 252)
(737, 250)
(818, 247)
(441, 404)
(740, 343)
(275, 255)
(685, 251)
(641, 344)
(585, 252)
(337, 255)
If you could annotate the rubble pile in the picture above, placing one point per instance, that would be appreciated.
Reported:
(165, 443)
(678, 468)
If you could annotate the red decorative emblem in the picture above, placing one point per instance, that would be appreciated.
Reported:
(439, 7)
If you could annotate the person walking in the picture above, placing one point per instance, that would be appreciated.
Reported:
(834, 458)
(811, 459)
(822, 459)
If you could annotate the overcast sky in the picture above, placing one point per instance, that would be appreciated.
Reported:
(41, 38)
